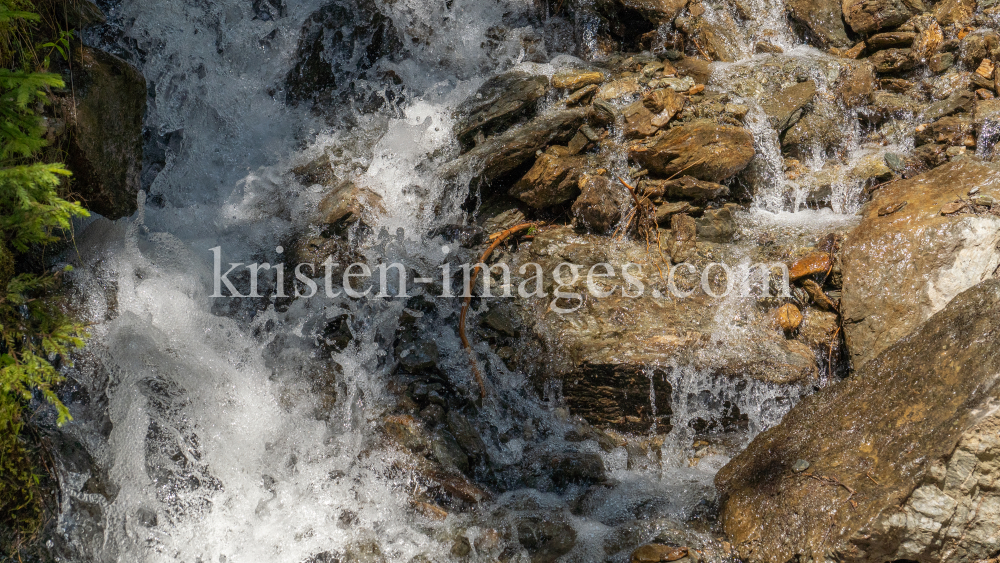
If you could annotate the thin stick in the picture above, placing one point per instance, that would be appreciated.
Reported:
(468, 297)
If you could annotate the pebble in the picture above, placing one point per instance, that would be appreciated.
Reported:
(800, 466)
(953, 207)
(789, 317)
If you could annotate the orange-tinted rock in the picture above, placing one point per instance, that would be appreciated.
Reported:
(789, 317)
(810, 264)
(658, 552)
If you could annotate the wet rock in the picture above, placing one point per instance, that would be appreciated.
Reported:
(684, 187)
(704, 150)
(893, 60)
(599, 206)
(929, 37)
(959, 101)
(941, 62)
(954, 130)
(546, 538)
(866, 16)
(694, 68)
(577, 79)
(789, 317)
(949, 12)
(551, 181)
(890, 39)
(347, 204)
(656, 11)
(712, 35)
(417, 355)
(499, 102)
(816, 134)
(683, 237)
(823, 21)
(887, 106)
(716, 225)
(667, 210)
(855, 83)
(339, 45)
(657, 552)
(909, 439)
(644, 117)
(885, 298)
(547, 470)
(104, 151)
(618, 88)
(786, 107)
(809, 265)
(502, 154)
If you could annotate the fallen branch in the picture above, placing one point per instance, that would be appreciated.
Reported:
(497, 239)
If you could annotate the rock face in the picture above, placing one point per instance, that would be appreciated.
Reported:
(823, 21)
(903, 455)
(105, 149)
(704, 150)
(901, 268)
(605, 351)
(499, 102)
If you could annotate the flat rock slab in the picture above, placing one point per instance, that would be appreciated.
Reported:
(702, 149)
(902, 455)
(901, 268)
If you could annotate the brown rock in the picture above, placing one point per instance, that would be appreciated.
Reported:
(657, 553)
(786, 107)
(894, 453)
(823, 19)
(683, 187)
(506, 152)
(702, 149)
(810, 265)
(866, 16)
(948, 12)
(855, 51)
(891, 39)
(985, 69)
(900, 269)
(696, 68)
(656, 11)
(816, 294)
(893, 60)
(683, 237)
(581, 96)
(551, 181)
(499, 102)
(789, 317)
(347, 203)
(618, 88)
(928, 39)
(956, 130)
(599, 206)
(856, 83)
(667, 210)
(576, 79)
(953, 207)
(639, 121)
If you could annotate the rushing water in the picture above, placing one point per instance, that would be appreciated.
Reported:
(203, 415)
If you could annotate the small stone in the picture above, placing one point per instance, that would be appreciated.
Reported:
(894, 162)
(800, 466)
(811, 264)
(677, 84)
(941, 62)
(819, 298)
(670, 54)
(618, 88)
(658, 552)
(669, 209)
(984, 94)
(953, 207)
(985, 69)
(581, 95)
(696, 89)
(891, 208)
(855, 51)
(765, 47)
(983, 200)
(652, 69)
(576, 79)
(789, 317)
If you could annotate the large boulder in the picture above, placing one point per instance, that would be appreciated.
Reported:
(609, 352)
(702, 149)
(105, 131)
(903, 458)
(822, 21)
(901, 268)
